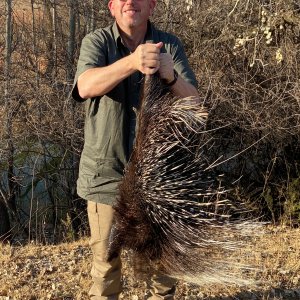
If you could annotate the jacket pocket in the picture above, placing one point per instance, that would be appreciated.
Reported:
(109, 167)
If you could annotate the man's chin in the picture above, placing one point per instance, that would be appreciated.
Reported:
(133, 24)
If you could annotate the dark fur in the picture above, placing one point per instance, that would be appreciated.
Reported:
(133, 228)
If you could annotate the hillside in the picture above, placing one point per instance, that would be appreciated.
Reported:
(62, 272)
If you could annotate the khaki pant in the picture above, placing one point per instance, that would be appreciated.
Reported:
(107, 275)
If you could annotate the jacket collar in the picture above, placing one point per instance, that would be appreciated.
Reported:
(150, 37)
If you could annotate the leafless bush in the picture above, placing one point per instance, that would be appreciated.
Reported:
(246, 56)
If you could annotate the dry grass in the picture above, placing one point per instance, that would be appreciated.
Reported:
(276, 255)
(62, 272)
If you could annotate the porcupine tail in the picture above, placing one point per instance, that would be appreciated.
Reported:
(170, 208)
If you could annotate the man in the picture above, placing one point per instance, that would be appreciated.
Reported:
(109, 76)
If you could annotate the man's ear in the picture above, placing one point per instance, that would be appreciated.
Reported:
(152, 6)
(111, 7)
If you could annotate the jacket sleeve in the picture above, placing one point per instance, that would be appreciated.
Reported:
(92, 55)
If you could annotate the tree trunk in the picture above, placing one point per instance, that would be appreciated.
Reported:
(71, 41)
(9, 199)
(93, 25)
(5, 232)
(54, 18)
(75, 205)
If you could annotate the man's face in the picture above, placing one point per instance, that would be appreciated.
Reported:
(131, 13)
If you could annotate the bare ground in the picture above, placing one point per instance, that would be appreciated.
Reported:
(62, 272)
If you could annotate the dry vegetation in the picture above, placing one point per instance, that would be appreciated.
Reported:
(246, 55)
(62, 272)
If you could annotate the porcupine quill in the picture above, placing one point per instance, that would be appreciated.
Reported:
(169, 210)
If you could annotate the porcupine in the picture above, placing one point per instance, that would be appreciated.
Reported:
(169, 208)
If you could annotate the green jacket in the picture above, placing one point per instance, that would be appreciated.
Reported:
(110, 119)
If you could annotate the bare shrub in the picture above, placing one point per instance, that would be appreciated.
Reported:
(246, 56)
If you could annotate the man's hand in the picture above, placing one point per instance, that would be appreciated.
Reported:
(146, 58)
